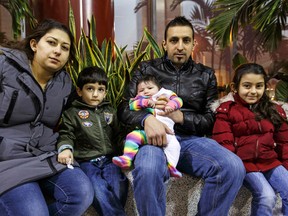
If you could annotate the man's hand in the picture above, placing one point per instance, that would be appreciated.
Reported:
(176, 116)
(156, 131)
(161, 102)
(65, 157)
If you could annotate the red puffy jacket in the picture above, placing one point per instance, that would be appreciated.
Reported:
(260, 147)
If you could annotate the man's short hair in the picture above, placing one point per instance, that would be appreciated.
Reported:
(179, 21)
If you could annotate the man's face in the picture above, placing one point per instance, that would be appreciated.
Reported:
(179, 44)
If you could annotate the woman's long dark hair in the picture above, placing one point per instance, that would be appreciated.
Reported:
(264, 109)
(37, 33)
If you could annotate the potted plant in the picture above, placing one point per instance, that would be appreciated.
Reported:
(116, 61)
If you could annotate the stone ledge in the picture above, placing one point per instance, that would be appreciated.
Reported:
(183, 195)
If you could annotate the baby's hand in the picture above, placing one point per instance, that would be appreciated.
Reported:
(65, 157)
(151, 103)
(168, 109)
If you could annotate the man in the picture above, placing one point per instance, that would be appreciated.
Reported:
(196, 84)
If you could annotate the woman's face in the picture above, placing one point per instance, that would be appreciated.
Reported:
(52, 51)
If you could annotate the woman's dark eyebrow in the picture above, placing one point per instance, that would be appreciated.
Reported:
(58, 40)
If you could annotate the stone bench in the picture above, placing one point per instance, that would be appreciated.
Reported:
(183, 195)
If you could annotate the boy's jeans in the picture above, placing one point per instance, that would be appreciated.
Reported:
(110, 186)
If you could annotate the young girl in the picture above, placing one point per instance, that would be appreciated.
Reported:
(256, 129)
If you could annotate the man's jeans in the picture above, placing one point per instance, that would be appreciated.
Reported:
(221, 169)
(110, 186)
(71, 189)
(263, 187)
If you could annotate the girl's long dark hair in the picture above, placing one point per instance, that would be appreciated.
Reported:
(265, 108)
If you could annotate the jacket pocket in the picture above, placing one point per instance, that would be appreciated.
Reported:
(12, 149)
(8, 99)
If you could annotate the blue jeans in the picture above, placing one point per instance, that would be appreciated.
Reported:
(110, 186)
(263, 187)
(71, 189)
(222, 171)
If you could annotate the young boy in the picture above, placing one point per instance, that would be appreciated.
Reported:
(149, 91)
(88, 133)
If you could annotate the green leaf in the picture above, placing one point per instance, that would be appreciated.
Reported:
(237, 60)
(153, 44)
(87, 53)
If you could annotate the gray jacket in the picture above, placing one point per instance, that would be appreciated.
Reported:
(28, 116)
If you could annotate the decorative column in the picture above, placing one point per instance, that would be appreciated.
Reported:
(103, 11)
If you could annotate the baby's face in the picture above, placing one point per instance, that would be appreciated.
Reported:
(147, 89)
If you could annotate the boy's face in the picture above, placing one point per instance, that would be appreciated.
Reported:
(92, 93)
(147, 89)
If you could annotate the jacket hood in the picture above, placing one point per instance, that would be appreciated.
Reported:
(19, 57)
(226, 98)
(230, 97)
(284, 106)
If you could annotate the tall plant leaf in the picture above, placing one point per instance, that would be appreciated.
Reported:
(157, 51)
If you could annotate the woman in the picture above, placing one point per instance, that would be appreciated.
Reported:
(33, 91)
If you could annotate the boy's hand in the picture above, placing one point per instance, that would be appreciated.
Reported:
(65, 157)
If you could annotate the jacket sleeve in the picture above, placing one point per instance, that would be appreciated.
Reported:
(222, 130)
(2, 59)
(118, 135)
(201, 122)
(138, 103)
(175, 102)
(129, 117)
(281, 139)
(66, 132)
